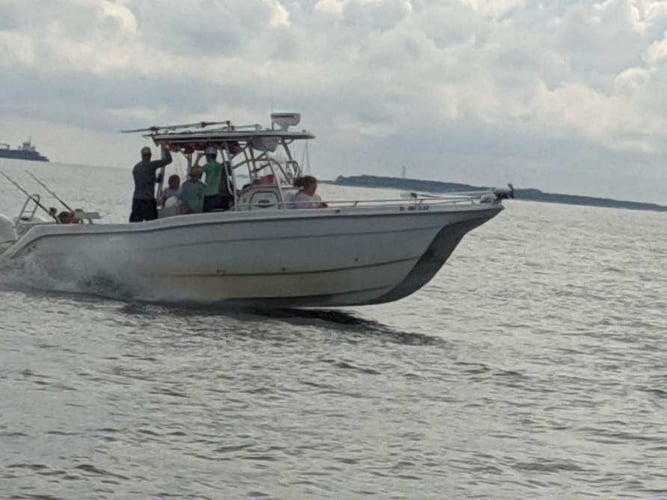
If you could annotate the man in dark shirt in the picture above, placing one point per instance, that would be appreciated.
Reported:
(144, 206)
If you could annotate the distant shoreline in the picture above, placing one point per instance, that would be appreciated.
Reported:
(531, 194)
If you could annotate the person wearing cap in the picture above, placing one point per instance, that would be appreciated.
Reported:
(144, 206)
(192, 193)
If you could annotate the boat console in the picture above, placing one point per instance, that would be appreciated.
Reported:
(258, 197)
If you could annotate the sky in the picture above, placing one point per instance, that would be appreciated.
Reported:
(561, 95)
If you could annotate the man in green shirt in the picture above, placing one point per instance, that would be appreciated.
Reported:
(192, 193)
(214, 176)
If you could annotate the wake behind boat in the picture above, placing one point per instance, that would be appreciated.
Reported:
(266, 249)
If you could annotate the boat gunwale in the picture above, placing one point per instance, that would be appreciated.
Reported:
(42, 231)
(238, 217)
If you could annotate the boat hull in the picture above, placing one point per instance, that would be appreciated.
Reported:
(297, 258)
(12, 154)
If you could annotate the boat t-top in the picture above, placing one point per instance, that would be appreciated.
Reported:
(265, 250)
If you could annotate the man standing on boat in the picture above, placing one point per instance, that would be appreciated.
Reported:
(144, 206)
(213, 171)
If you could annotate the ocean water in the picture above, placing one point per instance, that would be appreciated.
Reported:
(533, 366)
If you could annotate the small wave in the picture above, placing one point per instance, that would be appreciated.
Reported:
(548, 466)
(96, 470)
(13, 434)
(35, 467)
(232, 448)
(349, 366)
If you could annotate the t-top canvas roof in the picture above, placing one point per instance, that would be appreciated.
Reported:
(200, 135)
(226, 135)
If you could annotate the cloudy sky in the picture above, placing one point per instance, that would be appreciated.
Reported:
(563, 95)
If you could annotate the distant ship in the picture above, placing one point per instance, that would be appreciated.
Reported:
(26, 152)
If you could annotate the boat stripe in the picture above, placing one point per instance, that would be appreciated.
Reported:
(299, 237)
(306, 297)
(229, 241)
(286, 273)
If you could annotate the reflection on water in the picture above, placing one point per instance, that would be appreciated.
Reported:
(353, 326)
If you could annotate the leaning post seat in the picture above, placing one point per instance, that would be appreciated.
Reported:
(258, 197)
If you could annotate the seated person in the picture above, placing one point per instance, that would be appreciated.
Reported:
(66, 217)
(217, 195)
(267, 179)
(169, 200)
(174, 189)
(192, 193)
(306, 197)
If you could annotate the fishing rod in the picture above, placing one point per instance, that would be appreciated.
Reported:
(30, 196)
(51, 192)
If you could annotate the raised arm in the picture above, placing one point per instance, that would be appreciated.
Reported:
(198, 158)
(166, 159)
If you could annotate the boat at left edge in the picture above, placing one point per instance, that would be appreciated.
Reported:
(26, 151)
(265, 250)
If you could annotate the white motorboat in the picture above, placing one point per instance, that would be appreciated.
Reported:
(262, 251)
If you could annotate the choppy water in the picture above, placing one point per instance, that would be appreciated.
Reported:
(534, 365)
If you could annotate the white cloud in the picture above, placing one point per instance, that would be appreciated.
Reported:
(592, 74)
(329, 8)
(360, 131)
(494, 8)
(657, 52)
(631, 80)
(610, 120)
(16, 48)
(120, 14)
(279, 15)
(143, 114)
(375, 14)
